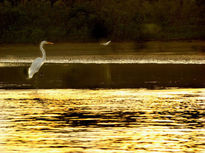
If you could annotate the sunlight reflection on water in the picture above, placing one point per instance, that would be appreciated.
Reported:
(111, 59)
(122, 120)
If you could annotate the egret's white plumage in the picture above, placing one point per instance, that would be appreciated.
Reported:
(38, 62)
(106, 43)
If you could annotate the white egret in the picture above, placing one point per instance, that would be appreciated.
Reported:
(106, 43)
(38, 62)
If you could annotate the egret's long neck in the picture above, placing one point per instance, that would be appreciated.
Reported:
(43, 52)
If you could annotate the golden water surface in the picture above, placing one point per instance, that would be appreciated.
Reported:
(104, 121)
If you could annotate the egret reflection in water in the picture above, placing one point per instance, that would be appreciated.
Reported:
(38, 62)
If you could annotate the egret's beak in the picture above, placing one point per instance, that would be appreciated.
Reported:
(50, 43)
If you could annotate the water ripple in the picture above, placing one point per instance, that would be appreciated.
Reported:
(123, 120)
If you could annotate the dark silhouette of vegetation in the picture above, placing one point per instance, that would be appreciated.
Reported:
(91, 20)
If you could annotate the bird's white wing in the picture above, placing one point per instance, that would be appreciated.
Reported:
(35, 66)
(106, 43)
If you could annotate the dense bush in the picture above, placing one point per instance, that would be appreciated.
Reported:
(91, 20)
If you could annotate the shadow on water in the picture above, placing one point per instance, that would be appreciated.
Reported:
(85, 118)
(74, 118)
(150, 76)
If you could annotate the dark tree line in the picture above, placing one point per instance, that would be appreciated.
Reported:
(91, 20)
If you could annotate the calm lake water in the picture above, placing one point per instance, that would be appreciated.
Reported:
(92, 76)
(145, 97)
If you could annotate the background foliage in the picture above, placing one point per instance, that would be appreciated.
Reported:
(91, 20)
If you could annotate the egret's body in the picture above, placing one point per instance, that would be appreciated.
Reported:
(38, 62)
(106, 43)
